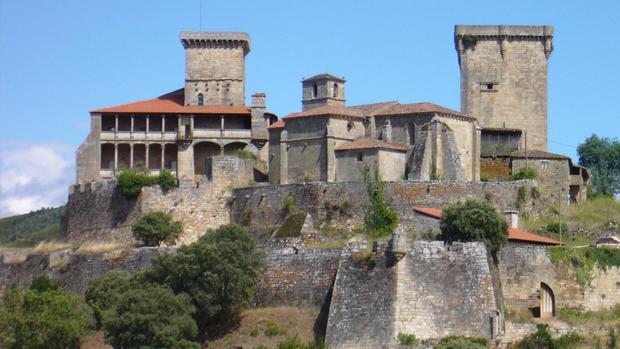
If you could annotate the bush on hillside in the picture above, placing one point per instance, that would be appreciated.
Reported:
(474, 220)
(46, 319)
(157, 227)
(103, 293)
(542, 339)
(524, 173)
(461, 342)
(151, 317)
(218, 271)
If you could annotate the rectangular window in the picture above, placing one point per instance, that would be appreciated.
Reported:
(544, 165)
(488, 86)
(360, 157)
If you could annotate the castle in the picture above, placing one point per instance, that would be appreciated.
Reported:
(319, 159)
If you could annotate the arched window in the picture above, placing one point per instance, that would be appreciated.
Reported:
(335, 91)
(201, 100)
(315, 90)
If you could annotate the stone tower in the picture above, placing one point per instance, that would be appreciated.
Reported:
(322, 90)
(504, 82)
(215, 67)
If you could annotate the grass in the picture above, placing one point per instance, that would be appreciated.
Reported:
(98, 247)
(601, 318)
(592, 215)
(50, 246)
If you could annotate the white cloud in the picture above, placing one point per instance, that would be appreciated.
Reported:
(34, 175)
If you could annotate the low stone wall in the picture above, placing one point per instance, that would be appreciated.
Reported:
(345, 204)
(523, 269)
(97, 211)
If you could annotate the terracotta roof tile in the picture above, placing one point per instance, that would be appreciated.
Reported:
(171, 103)
(433, 212)
(277, 124)
(537, 154)
(514, 234)
(370, 143)
(327, 110)
(418, 108)
(374, 108)
(324, 76)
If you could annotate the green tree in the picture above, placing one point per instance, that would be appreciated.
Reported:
(474, 220)
(602, 156)
(47, 319)
(379, 220)
(157, 227)
(151, 317)
(219, 272)
(105, 292)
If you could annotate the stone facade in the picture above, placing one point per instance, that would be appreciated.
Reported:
(504, 78)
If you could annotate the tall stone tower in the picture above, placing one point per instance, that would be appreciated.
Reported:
(504, 82)
(215, 67)
(322, 90)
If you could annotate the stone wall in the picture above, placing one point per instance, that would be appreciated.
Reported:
(432, 291)
(553, 177)
(261, 208)
(97, 211)
(523, 268)
(297, 275)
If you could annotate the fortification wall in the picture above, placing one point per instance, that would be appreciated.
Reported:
(344, 204)
(523, 268)
(97, 211)
(432, 291)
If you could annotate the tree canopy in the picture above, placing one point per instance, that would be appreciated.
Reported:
(474, 220)
(602, 156)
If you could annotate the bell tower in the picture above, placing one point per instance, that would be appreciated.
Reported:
(322, 90)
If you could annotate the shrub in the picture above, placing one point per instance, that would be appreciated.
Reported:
(407, 339)
(584, 260)
(295, 343)
(474, 220)
(43, 319)
(157, 227)
(273, 330)
(379, 220)
(535, 193)
(521, 194)
(542, 339)
(245, 154)
(555, 228)
(461, 342)
(131, 182)
(485, 177)
(44, 283)
(152, 317)
(288, 205)
(218, 272)
(103, 293)
(524, 173)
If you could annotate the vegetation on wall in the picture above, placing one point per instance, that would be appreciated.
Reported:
(469, 41)
(602, 156)
(524, 173)
(407, 339)
(584, 260)
(474, 220)
(157, 227)
(541, 339)
(131, 182)
(521, 197)
(245, 154)
(461, 342)
(380, 220)
(44, 317)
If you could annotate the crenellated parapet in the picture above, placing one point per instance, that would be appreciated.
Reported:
(216, 40)
(466, 36)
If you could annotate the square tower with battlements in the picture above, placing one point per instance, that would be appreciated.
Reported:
(215, 67)
(504, 83)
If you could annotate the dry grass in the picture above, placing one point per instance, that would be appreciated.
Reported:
(50, 246)
(99, 247)
(251, 331)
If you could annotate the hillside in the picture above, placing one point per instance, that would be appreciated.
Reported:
(30, 228)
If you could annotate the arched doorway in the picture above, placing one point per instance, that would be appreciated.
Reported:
(232, 148)
(547, 301)
(202, 151)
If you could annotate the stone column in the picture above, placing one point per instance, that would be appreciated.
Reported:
(163, 147)
(284, 157)
(330, 156)
(130, 155)
(115, 156)
(163, 123)
(131, 128)
(115, 125)
(146, 157)
(147, 123)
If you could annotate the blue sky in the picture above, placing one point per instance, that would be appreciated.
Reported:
(60, 59)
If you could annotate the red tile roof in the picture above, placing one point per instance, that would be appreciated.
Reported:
(171, 103)
(417, 108)
(433, 212)
(277, 124)
(326, 110)
(514, 234)
(370, 143)
(537, 154)
(383, 108)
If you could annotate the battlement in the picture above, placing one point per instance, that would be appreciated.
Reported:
(216, 40)
(501, 31)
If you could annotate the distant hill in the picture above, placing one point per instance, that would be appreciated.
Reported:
(30, 228)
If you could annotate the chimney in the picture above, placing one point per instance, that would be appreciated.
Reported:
(512, 217)
(258, 100)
